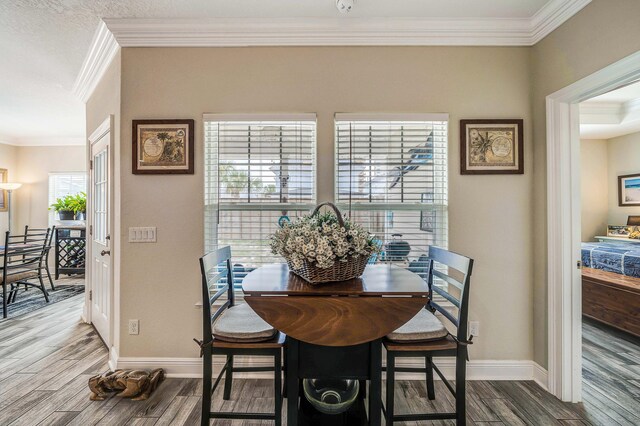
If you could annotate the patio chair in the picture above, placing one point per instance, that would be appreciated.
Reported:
(230, 331)
(21, 264)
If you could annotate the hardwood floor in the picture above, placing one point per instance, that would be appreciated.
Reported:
(47, 356)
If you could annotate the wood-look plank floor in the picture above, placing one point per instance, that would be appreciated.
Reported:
(47, 356)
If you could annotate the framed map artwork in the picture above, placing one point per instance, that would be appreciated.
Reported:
(163, 146)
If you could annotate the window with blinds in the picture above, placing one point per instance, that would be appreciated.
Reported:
(392, 178)
(63, 184)
(259, 173)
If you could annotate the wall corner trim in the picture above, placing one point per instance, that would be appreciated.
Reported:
(540, 376)
(102, 50)
(552, 15)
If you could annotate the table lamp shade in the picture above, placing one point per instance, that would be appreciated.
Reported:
(633, 221)
(10, 186)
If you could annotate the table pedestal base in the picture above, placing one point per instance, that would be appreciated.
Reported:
(360, 362)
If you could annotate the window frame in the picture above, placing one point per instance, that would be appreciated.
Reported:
(440, 208)
(52, 198)
(247, 205)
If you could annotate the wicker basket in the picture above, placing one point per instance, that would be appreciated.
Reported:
(340, 271)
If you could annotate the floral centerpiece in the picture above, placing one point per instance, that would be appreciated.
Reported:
(324, 247)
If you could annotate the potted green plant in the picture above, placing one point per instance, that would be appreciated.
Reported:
(79, 205)
(64, 207)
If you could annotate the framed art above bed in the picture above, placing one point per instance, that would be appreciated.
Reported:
(629, 190)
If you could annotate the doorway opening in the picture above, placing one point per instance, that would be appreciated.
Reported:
(610, 248)
(564, 223)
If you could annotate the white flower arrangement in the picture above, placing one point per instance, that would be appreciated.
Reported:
(322, 240)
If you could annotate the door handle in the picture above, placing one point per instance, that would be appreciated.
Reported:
(108, 237)
(103, 252)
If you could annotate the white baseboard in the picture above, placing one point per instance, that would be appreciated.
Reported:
(476, 370)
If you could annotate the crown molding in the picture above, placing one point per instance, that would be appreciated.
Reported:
(608, 113)
(343, 31)
(238, 32)
(46, 141)
(632, 107)
(601, 113)
(101, 52)
(552, 15)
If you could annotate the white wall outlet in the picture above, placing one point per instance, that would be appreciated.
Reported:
(474, 328)
(142, 234)
(134, 326)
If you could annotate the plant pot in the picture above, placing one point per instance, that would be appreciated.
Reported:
(66, 215)
(81, 216)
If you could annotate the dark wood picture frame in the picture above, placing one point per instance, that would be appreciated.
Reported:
(161, 170)
(620, 191)
(497, 171)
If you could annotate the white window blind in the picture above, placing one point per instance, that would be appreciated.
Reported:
(63, 184)
(259, 170)
(392, 178)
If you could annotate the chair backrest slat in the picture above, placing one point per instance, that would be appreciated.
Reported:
(448, 279)
(35, 234)
(22, 254)
(444, 259)
(447, 296)
(214, 267)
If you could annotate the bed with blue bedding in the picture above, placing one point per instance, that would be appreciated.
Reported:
(617, 257)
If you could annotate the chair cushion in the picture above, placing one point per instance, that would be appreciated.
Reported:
(241, 324)
(14, 276)
(421, 328)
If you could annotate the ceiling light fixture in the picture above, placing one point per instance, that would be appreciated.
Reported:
(344, 6)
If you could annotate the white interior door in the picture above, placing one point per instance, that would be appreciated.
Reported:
(100, 236)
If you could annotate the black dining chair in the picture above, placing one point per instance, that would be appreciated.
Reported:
(425, 336)
(232, 330)
(21, 264)
(35, 233)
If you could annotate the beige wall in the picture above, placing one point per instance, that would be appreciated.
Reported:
(31, 165)
(601, 162)
(34, 165)
(604, 32)
(160, 282)
(9, 161)
(624, 159)
(509, 212)
(594, 187)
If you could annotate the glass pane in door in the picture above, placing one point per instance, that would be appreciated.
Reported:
(100, 197)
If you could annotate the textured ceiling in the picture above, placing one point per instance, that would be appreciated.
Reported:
(43, 44)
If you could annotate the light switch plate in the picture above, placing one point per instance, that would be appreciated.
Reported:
(144, 234)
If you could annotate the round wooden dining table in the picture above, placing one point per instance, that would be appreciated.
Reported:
(335, 330)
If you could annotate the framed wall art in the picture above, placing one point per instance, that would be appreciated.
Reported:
(163, 146)
(629, 190)
(490, 147)
(4, 176)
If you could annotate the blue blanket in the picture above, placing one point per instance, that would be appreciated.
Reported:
(618, 257)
